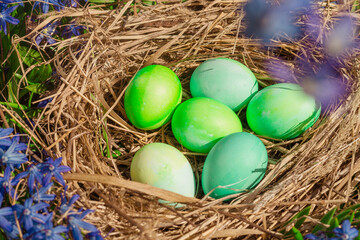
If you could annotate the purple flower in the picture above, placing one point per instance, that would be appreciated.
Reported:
(265, 21)
(47, 231)
(73, 30)
(35, 176)
(28, 213)
(345, 232)
(6, 185)
(319, 236)
(4, 223)
(4, 136)
(43, 103)
(13, 1)
(45, 4)
(11, 157)
(42, 195)
(47, 32)
(75, 222)
(6, 18)
(53, 169)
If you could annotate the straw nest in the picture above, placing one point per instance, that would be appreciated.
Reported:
(86, 121)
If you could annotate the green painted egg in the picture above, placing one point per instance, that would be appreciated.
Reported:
(199, 123)
(152, 97)
(236, 163)
(282, 111)
(163, 166)
(225, 80)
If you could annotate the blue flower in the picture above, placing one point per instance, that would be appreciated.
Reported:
(53, 169)
(13, 1)
(265, 21)
(41, 195)
(75, 223)
(47, 231)
(73, 30)
(65, 207)
(345, 232)
(43, 103)
(11, 157)
(28, 213)
(35, 176)
(6, 18)
(4, 223)
(94, 236)
(4, 136)
(6, 185)
(47, 32)
(44, 4)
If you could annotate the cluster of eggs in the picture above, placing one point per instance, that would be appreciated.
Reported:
(208, 123)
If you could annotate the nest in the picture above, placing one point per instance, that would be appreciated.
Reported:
(86, 124)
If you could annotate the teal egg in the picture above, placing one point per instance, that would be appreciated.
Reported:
(282, 111)
(152, 97)
(199, 123)
(163, 166)
(236, 163)
(225, 80)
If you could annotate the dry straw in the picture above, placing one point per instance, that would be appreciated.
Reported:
(86, 118)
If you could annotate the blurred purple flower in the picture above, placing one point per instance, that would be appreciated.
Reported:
(42, 195)
(11, 157)
(46, 33)
(265, 21)
(345, 232)
(53, 169)
(75, 222)
(94, 236)
(45, 4)
(43, 103)
(28, 213)
(5, 17)
(73, 30)
(319, 236)
(34, 176)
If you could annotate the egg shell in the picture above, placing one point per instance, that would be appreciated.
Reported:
(282, 111)
(199, 123)
(236, 163)
(152, 97)
(225, 80)
(163, 166)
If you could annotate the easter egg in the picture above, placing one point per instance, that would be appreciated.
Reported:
(152, 97)
(225, 80)
(282, 111)
(199, 123)
(163, 166)
(235, 164)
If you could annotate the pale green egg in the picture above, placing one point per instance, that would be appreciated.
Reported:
(163, 166)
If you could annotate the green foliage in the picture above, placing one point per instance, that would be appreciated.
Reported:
(326, 219)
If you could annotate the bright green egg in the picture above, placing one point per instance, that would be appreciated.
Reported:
(235, 164)
(199, 123)
(282, 111)
(163, 166)
(152, 97)
(225, 80)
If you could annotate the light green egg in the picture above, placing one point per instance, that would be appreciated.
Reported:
(199, 123)
(163, 166)
(237, 163)
(152, 97)
(282, 111)
(225, 80)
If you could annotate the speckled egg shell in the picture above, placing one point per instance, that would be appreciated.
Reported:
(282, 111)
(225, 80)
(199, 123)
(235, 164)
(163, 166)
(152, 97)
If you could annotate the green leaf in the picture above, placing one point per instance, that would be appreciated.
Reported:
(300, 217)
(38, 88)
(326, 219)
(334, 224)
(39, 74)
(29, 56)
(297, 234)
